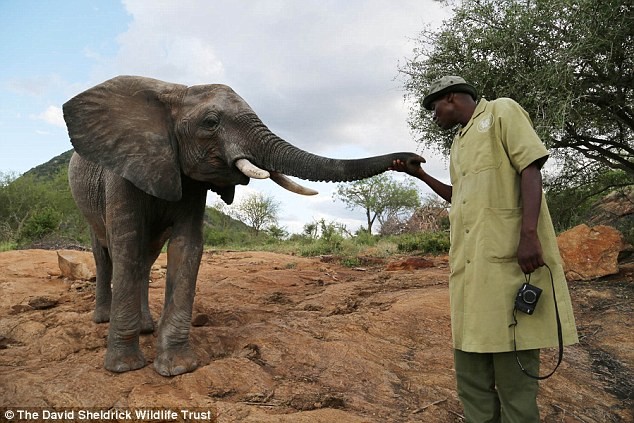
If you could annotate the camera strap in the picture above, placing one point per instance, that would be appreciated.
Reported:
(559, 333)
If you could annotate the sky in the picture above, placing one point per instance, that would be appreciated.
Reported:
(322, 74)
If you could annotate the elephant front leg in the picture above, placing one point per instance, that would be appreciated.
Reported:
(174, 353)
(123, 353)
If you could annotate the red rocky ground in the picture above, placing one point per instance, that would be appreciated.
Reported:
(289, 339)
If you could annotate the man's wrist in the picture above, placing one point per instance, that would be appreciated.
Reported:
(528, 232)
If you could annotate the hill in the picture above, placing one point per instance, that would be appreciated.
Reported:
(52, 168)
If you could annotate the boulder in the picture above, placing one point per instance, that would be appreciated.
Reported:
(615, 209)
(75, 266)
(590, 252)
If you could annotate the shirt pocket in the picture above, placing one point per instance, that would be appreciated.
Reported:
(502, 234)
(482, 153)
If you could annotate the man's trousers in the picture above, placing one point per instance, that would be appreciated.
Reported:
(493, 388)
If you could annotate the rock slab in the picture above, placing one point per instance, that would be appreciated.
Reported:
(590, 252)
(75, 266)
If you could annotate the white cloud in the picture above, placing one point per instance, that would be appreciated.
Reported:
(177, 58)
(35, 86)
(320, 73)
(53, 115)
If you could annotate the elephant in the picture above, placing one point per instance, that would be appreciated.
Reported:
(146, 153)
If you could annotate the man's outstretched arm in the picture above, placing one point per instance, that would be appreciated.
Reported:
(415, 170)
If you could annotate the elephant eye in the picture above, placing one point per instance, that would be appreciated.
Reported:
(210, 121)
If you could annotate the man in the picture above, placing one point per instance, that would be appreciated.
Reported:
(501, 232)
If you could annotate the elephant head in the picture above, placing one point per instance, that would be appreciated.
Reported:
(152, 132)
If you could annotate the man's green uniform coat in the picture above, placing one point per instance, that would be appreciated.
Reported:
(487, 158)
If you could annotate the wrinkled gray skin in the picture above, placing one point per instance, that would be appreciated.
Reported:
(146, 152)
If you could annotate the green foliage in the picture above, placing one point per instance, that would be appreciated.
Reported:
(426, 242)
(40, 223)
(363, 237)
(220, 229)
(214, 238)
(569, 63)
(311, 230)
(350, 261)
(320, 248)
(321, 238)
(381, 197)
(8, 246)
(277, 233)
(38, 205)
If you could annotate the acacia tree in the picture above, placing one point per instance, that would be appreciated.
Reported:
(380, 196)
(258, 211)
(568, 63)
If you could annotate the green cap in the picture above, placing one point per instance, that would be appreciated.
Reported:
(445, 85)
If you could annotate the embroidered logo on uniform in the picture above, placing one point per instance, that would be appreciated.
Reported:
(485, 123)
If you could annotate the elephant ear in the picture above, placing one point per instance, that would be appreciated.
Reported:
(124, 125)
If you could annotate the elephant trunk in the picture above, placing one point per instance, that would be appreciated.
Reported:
(276, 155)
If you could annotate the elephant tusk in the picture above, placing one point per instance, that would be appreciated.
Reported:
(286, 183)
(251, 170)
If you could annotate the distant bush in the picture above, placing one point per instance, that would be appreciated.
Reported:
(34, 207)
(40, 223)
(7, 246)
(215, 238)
(426, 242)
(363, 237)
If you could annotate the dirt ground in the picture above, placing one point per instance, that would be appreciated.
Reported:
(289, 339)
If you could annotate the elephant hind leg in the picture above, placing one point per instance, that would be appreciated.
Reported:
(147, 323)
(103, 291)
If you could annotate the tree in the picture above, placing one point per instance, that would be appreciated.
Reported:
(258, 211)
(310, 230)
(277, 232)
(569, 63)
(380, 196)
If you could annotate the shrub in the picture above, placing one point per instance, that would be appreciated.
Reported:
(426, 242)
(41, 223)
(363, 237)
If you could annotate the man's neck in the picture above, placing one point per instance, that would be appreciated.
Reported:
(466, 116)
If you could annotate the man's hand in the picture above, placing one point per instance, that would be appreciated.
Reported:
(412, 167)
(529, 253)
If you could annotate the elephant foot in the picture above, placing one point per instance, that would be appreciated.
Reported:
(147, 324)
(101, 315)
(121, 361)
(175, 361)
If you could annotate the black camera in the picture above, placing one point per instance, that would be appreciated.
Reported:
(527, 297)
